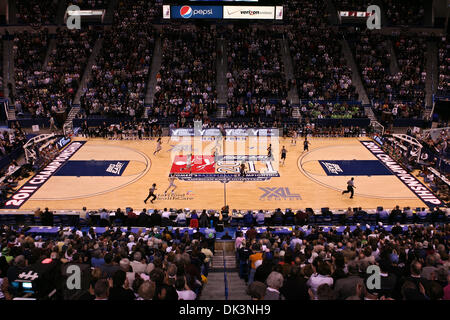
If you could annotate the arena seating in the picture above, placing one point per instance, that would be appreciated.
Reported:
(41, 12)
(186, 82)
(256, 80)
(292, 254)
(120, 74)
(444, 67)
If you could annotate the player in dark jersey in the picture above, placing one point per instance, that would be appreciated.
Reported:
(306, 144)
(269, 151)
(283, 155)
(151, 194)
(242, 170)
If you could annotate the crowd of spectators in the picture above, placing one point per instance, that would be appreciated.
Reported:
(51, 88)
(320, 70)
(124, 130)
(310, 263)
(120, 74)
(373, 60)
(397, 94)
(404, 12)
(322, 110)
(88, 4)
(186, 82)
(321, 265)
(116, 265)
(38, 12)
(352, 5)
(433, 154)
(409, 84)
(11, 139)
(44, 153)
(30, 49)
(444, 67)
(256, 76)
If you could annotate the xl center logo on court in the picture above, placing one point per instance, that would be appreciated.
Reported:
(278, 194)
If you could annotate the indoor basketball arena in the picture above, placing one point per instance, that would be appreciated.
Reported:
(224, 150)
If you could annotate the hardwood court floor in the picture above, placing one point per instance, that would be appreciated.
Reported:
(302, 181)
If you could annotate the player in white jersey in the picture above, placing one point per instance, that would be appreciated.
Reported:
(294, 137)
(172, 179)
(158, 146)
(189, 162)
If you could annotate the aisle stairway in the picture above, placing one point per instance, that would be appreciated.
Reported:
(356, 78)
(223, 279)
(431, 82)
(88, 71)
(155, 67)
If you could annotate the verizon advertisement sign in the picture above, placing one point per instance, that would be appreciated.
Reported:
(248, 12)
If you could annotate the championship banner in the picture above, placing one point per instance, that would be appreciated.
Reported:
(32, 185)
(413, 184)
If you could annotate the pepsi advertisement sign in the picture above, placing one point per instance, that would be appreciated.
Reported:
(196, 12)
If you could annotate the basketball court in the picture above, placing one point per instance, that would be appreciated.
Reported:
(111, 174)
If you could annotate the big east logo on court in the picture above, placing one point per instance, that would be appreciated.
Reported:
(205, 168)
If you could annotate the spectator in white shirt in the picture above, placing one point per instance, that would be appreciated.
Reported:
(184, 292)
(320, 276)
(138, 264)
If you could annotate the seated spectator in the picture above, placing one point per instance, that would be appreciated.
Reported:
(274, 284)
(183, 291)
(120, 289)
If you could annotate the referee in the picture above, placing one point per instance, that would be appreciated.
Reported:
(151, 193)
(350, 187)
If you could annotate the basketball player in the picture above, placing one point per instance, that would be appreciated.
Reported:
(171, 183)
(283, 155)
(242, 170)
(306, 144)
(189, 162)
(269, 151)
(350, 187)
(151, 193)
(216, 156)
(294, 137)
(158, 146)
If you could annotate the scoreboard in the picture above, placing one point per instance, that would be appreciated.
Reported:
(223, 9)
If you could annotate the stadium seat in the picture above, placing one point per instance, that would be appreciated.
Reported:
(289, 221)
(423, 219)
(57, 220)
(318, 220)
